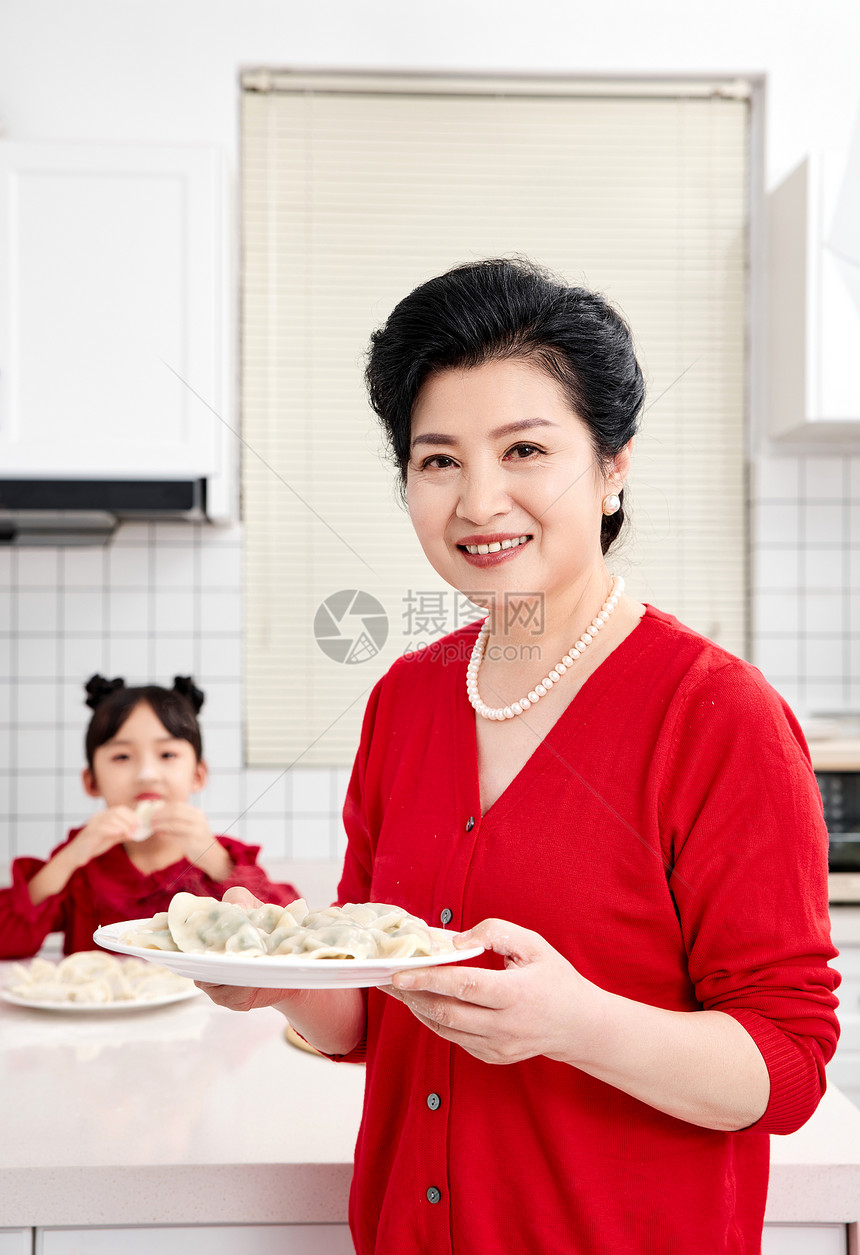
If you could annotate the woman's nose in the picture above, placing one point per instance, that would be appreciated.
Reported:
(483, 496)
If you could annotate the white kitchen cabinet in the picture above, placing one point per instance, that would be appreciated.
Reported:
(813, 323)
(319, 1239)
(16, 1242)
(114, 360)
(804, 1239)
(302, 1239)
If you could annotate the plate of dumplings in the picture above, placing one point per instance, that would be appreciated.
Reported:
(284, 947)
(90, 980)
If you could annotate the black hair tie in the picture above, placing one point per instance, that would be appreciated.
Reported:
(99, 688)
(184, 685)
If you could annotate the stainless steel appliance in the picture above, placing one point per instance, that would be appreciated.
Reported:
(836, 760)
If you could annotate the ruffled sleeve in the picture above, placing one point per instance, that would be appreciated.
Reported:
(247, 874)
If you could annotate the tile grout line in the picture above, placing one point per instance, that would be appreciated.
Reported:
(14, 654)
(59, 748)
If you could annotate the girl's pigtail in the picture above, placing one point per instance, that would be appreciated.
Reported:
(193, 695)
(98, 688)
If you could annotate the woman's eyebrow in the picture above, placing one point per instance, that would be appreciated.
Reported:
(509, 429)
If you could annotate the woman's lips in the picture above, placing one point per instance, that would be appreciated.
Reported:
(492, 559)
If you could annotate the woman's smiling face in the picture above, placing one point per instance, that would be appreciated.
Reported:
(498, 457)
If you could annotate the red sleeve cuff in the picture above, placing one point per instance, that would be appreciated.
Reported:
(358, 1054)
(796, 1080)
(241, 854)
(247, 874)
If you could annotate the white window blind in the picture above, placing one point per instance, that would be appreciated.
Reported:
(353, 197)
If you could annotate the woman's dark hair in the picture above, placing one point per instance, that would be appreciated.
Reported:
(500, 309)
(112, 703)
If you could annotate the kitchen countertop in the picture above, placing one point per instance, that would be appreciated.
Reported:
(192, 1114)
(184, 1114)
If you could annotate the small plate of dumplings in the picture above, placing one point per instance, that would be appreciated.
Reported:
(284, 947)
(90, 980)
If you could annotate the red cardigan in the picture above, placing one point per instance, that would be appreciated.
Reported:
(109, 889)
(667, 837)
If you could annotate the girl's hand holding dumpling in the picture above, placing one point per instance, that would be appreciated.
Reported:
(106, 829)
(188, 828)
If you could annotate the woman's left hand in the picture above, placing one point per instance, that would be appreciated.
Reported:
(539, 1005)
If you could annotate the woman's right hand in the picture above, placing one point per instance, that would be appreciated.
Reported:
(238, 997)
(331, 1019)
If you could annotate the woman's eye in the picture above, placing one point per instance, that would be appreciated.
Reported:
(437, 460)
(523, 451)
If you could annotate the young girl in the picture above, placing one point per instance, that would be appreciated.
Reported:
(143, 745)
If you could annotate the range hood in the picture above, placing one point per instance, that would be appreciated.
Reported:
(88, 511)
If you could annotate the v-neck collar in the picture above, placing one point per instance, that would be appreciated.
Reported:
(546, 752)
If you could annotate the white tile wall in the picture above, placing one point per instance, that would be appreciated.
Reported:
(160, 600)
(805, 573)
(165, 599)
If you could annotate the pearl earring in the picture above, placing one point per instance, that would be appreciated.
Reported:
(611, 503)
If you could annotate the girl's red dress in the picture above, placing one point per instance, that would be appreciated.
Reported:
(109, 889)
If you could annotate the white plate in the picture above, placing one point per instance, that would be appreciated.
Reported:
(286, 971)
(123, 1004)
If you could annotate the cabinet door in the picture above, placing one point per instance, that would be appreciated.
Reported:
(16, 1242)
(303, 1239)
(803, 1239)
(112, 348)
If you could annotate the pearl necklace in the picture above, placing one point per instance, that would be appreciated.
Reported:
(539, 690)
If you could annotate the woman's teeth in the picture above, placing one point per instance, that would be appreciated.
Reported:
(497, 545)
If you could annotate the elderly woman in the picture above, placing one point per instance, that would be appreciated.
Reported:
(621, 812)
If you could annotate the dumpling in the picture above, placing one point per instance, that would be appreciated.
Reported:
(322, 918)
(85, 965)
(286, 935)
(286, 940)
(92, 991)
(441, 939)
(409, 942)
(198, 925)
(337, 941)
(377, 914)
(144, 811)
(271, 916)
(157, 937)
